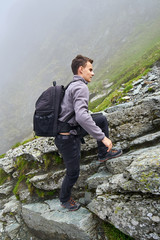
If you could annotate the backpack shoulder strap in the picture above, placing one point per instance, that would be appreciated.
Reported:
(72, 113)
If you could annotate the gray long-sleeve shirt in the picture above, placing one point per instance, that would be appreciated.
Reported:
(76, 99)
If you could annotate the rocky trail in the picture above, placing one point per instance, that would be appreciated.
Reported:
(124, 191)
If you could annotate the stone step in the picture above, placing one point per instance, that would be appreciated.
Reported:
(48, 220)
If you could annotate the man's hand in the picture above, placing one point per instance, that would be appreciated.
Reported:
(107, 142)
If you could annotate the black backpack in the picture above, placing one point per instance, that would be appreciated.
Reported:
(48, 106)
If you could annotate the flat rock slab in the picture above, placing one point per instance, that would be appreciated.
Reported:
(50, 221)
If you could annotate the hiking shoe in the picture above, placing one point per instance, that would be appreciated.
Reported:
(71, 205)
(111, 154)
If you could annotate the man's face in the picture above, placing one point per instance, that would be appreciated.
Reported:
(87, 72)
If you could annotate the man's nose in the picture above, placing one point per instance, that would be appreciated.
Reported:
(92, 73)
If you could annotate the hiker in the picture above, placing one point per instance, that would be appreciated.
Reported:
(69, 139)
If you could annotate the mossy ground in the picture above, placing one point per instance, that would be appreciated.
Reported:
(113, 233)
(3, 176)
(25, 169)
(24, 142)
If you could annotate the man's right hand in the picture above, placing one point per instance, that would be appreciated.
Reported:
(108, 143)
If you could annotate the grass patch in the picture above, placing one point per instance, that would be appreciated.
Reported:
(127, 88)
(24, 166)
(3, 155)
(109, 101)
(24, 142)
(113, 233)
(95, 103)
(3, 176)
(51, 159)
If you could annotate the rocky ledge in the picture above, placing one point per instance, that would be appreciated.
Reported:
(124, 191)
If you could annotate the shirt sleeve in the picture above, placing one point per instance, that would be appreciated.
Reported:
(80, 96)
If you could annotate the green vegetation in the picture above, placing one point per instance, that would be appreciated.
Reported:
(127, 88)
(25, 169)
(133, 60)
(134, 72)
(16, 188)
(51, 159)
(3, 176)
(3, 155)
(16, 145)
(24, 142)
(23, 166)
(113, 233)
(43, 194)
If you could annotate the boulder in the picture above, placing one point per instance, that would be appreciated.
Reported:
(50, 221)
(130, 198)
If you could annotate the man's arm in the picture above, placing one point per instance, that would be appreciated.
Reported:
(80, 102)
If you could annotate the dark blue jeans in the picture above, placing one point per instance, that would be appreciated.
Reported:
(69, 147)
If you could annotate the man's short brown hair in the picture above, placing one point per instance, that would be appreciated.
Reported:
(79, 61)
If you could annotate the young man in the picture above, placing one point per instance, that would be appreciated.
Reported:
(82, 123)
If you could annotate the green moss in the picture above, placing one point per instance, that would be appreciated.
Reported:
(3, 176)
(16, 188)
(57, 159)
(109, 101)
(117, 209)
(127, 88)
(51, 159)
(23, 167)
(145, 177)
(3, 155)
(95, 103)
(24, 142)
(113, 233)
(43, 194)
(29, 140)
(151, 89)
(16, 145)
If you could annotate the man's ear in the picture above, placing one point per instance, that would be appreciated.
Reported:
(80, 70)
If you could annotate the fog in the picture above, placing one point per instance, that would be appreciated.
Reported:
(39, 39)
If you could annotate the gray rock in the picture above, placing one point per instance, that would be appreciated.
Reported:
(137, 90)
(97, 179)
(6, 188)
(122, 199)
(119, 107)
(138, 82)
(152, 77)
(12, 206)
(146, 139)
(142, 175)
(33, 150)
(48, 181)
(49, 221)
(129, 215)
(118, 165)
(12, 230)
(7, 164)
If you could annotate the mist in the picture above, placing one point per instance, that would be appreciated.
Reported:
(39, 39)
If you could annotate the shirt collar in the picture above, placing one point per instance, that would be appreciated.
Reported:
(77, 77)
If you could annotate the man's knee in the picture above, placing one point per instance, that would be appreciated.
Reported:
(102, 120)
(73, 175)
